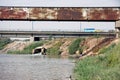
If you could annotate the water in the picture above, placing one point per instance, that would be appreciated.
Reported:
(29, 67)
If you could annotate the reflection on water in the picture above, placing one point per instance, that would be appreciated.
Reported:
(29, 67)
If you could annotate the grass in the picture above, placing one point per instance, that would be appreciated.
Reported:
(3, 42)
(75, 45)
(28, 49)
(105, 50)
(105, 66)
(54, 50)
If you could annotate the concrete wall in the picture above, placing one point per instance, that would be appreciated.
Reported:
(31, 39)
(117, 28)
(117, 24)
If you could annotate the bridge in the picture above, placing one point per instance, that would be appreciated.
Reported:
(36, 35)
(58, 14)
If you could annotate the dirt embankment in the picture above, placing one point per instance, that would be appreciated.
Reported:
(63, 48)
(91, 45)
(16, 45)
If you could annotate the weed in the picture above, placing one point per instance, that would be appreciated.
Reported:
(54, 50)
(3, 42)
(28, 49)
(105, 66)
(75, 45)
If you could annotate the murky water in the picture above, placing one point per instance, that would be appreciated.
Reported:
(29, 67)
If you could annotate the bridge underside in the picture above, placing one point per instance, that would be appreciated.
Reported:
(36, 36)
(60, 13)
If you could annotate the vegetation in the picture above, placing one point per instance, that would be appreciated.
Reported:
(28, 49)
(105, 66)
(106, 49)
(50, 37)
(75, 45)
(54, 51)
(3, 42)
(97, 36)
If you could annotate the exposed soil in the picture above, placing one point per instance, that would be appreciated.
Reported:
(16, 45)
(63, 48)
(91, 45)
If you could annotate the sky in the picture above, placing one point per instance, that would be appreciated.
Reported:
(61, 3)
(57, 25)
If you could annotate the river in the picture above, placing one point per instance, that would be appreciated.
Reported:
(30, 67)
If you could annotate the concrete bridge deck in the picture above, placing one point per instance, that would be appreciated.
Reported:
(52, 33)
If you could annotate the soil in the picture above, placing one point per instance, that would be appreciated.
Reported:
(16, 45)
(91, 45)
(63, 48)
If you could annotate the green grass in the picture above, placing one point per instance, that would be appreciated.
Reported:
(3, 42)
(54, 50)
(105, 50)
(75, 45)
(105, 66)
(28, 49)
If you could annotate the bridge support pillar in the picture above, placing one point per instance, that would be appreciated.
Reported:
(117, 28)
(117, 32)
(31, 39)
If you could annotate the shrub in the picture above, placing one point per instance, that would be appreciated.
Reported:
(105, 66)
(75, 46)
(3, 42)
(54, 50)
(113, 57)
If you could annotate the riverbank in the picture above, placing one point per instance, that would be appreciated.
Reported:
(74, 47)
(98, 56)
(4, 42)
(23, 47)
(104, 66)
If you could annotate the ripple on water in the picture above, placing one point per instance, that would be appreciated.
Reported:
(27, 67)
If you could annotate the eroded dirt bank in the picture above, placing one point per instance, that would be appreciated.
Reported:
(90, 45)
(16, 45)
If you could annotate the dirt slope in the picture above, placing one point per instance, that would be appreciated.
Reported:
(63, 48)
(16, 45)
(93, 45)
